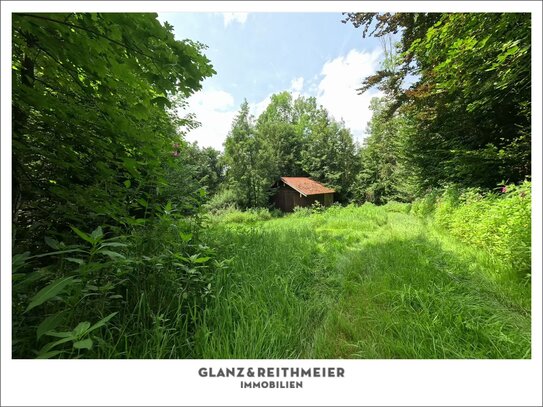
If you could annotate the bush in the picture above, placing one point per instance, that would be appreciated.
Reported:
(425, 206)
(225, 199)
(276, 213)
(105, 296)
(446, 203)
(315, 209)
(497, 222)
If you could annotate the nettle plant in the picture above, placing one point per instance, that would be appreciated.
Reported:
(76, 284)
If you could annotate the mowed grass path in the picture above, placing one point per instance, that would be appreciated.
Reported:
(359, 282)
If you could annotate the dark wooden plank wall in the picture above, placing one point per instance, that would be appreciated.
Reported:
(287, 199)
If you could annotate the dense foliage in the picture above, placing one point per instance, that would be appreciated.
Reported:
(91, 134)
(292, 137)
(247, 161)
(101, 228)
(497, 222)
(384, 173)
(462, 82)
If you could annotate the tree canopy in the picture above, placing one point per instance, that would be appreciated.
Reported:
(92, 130)
(468, 103)
(292, 137)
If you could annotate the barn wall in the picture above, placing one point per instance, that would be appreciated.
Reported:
(286, 199)
(323, 199)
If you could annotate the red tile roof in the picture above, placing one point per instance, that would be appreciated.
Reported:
(306, 186)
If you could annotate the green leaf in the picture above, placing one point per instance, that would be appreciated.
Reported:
(102, 322)
(116, 32)
(161, 101)
(97, 234)
(113, 244)
(81, 329)
(52, 243)
(127, 183)
(74, 260)
(111, 254)
(59, 334)
(27, 278)
(84, 344)
(142, 202)
(49, 292)
(140, 110)
(82, 235)
(59, 252)
(130, 165)
(50, 323)
(202, 259)
(18, 261)
(51, 345)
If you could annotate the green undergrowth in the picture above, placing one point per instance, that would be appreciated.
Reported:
(392, 281)
(498, 223)
(359, 282)
(131, 296)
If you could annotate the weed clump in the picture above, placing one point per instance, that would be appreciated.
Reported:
(497, 222)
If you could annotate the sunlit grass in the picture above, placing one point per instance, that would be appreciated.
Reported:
(359, 282)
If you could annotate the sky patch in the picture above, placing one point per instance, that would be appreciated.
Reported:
(308, 54)
(230, 18)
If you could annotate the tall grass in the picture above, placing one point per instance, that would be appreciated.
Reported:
(345, 282)
(359, 282)
(267, 304)
(412, 292)
(498, 223)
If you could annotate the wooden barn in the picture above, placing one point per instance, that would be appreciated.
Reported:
(301, 191)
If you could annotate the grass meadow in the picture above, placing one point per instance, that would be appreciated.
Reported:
(447, 276)
(358, 282)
